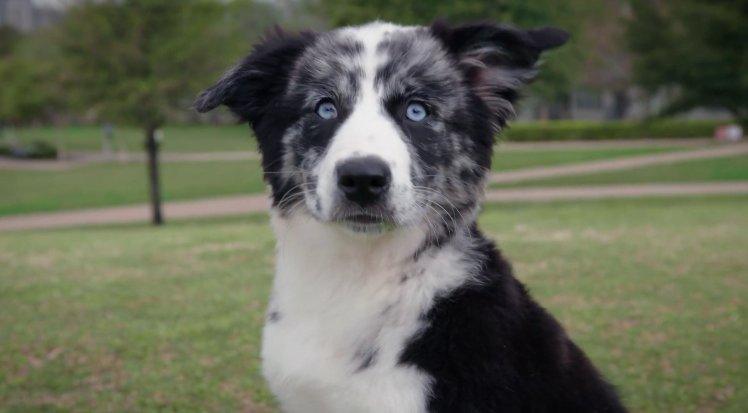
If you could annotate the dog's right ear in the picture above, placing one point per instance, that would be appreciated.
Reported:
(497, 59)
(252, 87)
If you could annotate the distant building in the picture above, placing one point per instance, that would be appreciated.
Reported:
(24, 15)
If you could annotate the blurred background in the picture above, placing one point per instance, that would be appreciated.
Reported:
(619, 193)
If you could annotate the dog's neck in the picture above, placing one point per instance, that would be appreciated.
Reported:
(320, 266)
(305, 242)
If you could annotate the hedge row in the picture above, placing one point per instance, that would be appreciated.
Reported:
(37, 150)
(589, 131)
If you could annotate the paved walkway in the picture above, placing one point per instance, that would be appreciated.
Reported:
(88, 158)
(224, 206)
(240, 205)
(619, 164)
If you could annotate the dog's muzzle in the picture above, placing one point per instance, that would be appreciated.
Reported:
(363, 185)
(364, 181)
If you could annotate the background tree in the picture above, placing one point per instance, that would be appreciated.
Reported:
(608, 66)
(20, 98)
(9, 37)
(561, 68)
(250, 20)
(135, 60)
(31, 78)
(697, 48)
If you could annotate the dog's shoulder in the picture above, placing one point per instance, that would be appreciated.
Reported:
(505, 350)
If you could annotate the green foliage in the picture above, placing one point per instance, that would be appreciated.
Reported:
(37, 150)
(133, 60)
(587, 130)
(43, 150)
(249, 20)
(33, 79)
(21, 97)
(562, 67)
(696, 47)
(18, 98)
(9, 37)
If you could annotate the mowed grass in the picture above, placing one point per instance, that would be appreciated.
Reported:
(733, 168)
(204, 138)
(125, 319)
(194, 138)
(122, 184)
(506, 160)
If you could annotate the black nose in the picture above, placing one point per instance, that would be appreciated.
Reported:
(364, 180)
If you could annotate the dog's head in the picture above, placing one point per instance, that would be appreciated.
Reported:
(380, 125)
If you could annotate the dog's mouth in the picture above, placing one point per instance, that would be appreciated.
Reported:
(364, 219)
(366, 223)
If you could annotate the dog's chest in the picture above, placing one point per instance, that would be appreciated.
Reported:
(341, 314)
(334, 347)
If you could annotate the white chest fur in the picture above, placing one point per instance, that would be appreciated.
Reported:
(343, 308)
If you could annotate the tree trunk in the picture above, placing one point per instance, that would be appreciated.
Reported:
(543, 112)
(60, 143)
(621, 104)
(565, 109)
(152, 147)
(59, 139)
(741, 116)
(744, 124)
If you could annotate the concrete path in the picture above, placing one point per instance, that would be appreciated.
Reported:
(87, 158)
(240, 205)
(225, 206)
(618, 164)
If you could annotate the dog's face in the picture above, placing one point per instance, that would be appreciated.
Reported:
(381, 126)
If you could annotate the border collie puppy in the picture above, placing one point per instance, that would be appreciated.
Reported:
(376, 143)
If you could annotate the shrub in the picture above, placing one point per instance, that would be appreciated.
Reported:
(37, 150)
(43, 150)
(587, 130)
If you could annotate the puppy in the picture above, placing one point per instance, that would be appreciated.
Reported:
(376, 143)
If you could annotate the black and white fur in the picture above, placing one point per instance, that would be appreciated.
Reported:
(399, 305)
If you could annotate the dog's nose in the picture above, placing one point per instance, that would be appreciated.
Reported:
(364, 180)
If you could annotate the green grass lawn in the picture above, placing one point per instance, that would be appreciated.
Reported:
(734, 168)
(200, 138)
(203, 138)
(135, 319)
(116, 184)
(521, 159)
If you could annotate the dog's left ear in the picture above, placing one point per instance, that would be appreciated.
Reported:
(255, 85)
(497, 59)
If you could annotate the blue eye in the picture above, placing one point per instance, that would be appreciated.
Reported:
(416, 112)
(327, 110)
